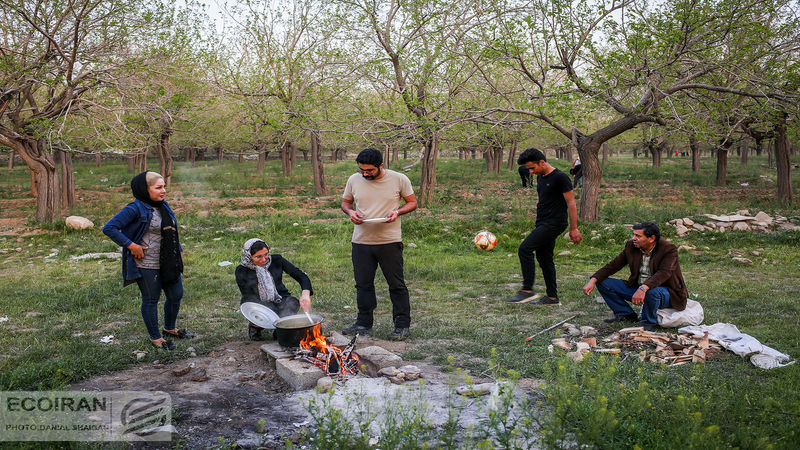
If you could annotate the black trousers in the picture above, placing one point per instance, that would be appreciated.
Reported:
(525, 175)
(366, 259)
(541, 242)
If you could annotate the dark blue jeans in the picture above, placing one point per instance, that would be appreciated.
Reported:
(150, 287)
(366, 259)
(541, 242)
(617, 295)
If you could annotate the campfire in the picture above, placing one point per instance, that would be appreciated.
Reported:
(334, 361)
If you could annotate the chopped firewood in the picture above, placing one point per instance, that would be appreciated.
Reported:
(608, 351)
(591, 341)
(583, 347)
(664, 351)
(678, 363)
(613, 337)
(630, 330)
(563, 344)
(588, 331)
(675, 345)
(685, 340)
(704, 343)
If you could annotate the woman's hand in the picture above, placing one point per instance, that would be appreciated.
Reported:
(305, 300)
(137, 250)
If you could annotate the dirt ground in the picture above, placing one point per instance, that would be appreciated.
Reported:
(240, 390)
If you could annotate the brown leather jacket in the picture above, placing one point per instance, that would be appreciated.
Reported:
(664, 267)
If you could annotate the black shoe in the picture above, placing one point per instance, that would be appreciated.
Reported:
(166, 345)
(648, 327)
(255, 334)
(523, 297)
(547, 301)
(399, 334)
(356, 329)
(625, 318)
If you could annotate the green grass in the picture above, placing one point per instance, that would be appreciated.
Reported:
(59, 308)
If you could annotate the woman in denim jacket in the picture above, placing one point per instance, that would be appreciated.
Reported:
(147, 231)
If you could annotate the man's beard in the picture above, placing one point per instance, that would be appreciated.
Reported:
(369, 177)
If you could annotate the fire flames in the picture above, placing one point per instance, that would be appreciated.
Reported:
(333, 360)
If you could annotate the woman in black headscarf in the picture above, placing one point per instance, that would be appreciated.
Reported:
(260, 280)
(151, 254)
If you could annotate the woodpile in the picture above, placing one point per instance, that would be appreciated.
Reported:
(665, 348)
(737, 221)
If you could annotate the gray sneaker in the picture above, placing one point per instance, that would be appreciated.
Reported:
(399, 334)
(523, 297)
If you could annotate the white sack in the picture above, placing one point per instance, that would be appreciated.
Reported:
(744, 345)
(671, 318)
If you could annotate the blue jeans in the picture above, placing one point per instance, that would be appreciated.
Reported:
(150, 287)
(617, 295)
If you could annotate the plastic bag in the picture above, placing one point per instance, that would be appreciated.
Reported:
(692, 315)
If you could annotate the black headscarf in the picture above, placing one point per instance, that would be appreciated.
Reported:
(169, 257)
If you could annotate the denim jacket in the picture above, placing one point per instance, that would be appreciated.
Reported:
(130, 225)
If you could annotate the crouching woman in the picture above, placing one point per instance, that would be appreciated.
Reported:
(260, 280)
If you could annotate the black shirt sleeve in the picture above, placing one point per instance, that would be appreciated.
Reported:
(247, 280)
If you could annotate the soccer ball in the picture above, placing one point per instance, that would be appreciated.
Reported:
(485, 240)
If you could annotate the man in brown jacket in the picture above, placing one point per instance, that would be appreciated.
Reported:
(656, 281)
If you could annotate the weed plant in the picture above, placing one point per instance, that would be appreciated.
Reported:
(58, 307)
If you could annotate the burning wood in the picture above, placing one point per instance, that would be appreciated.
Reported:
(334, 361)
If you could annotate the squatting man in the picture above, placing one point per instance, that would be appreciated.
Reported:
(655, 280)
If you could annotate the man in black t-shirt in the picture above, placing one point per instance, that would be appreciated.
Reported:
(556, 207)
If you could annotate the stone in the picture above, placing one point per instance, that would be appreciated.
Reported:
(412, 376)
(409, 369)
(681, 230)
(260, 375)
(687, 222)
(740, 226)
(583, 347)
(743, 212)
(412, 245)
(375, 358)
(325, 384)
(698, 227)
(274, 352)
(396, 380)
(181, 372)
(140, 354)
(576, 356)
(678, 222)
(390, 371)
(591, 341)
(764, 217)
(337, 339)
(243, 378)
(742, 260)
(565, 253)
(475, 390)
(200, 376)
(563, 344)
(298, 374)
(78, 223)
(588, 331)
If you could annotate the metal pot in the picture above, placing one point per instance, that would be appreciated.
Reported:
(291, 329)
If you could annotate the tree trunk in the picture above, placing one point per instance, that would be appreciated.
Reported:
(241, 157)
(722, 166)
(141, 162)
(11, 160)
(44, 175)
(656, 149)
(193, 155)
(695, 148)
(394, 153)
(386, 154)
(783, 163)
(220, 155)
(592, 175)
(97, 159)
(287, 157)
(743, 149)
(769, 154)
(317, 168)
(67, 178)
(164, 157)
(605, 154)
(305, 154)
(512, 155)
(494, 158)
(262, 158)
(131, 163)
(430, 154)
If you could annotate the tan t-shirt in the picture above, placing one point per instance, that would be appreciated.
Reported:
(377, 198)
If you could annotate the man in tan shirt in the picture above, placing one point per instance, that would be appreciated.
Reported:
(374, 199)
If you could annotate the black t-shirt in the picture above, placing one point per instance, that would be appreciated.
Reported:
(552, 208)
